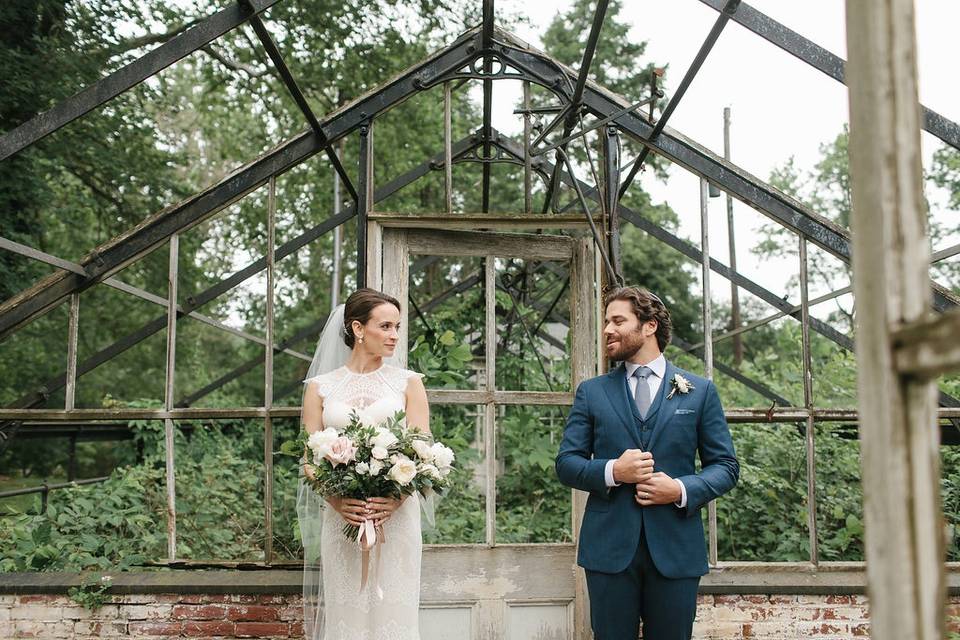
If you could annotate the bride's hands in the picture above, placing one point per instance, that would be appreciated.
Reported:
(351, 510)
(382, 508)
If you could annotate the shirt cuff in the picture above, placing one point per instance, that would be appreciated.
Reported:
(608, 475)
(683, 495)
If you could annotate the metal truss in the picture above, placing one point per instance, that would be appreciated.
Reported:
(487, 47)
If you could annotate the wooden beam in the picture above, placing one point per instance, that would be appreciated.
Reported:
(903, 534)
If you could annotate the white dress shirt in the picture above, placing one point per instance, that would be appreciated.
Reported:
(658, 366)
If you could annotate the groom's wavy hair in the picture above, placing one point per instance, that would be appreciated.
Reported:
(647, 306)
(359, 306)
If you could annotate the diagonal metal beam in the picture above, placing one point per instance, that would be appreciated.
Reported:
(129, 76)
(153, 232)
(32, 399)
(824, 61)
(274, 52)
(728, 10)
(700, 161)
(573, 112)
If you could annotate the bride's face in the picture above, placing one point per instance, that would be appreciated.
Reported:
(382, 330)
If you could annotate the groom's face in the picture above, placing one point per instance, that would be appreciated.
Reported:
(623, 332)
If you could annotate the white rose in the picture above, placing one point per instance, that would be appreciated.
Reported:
(375, 467)
(384, 438)
(320, 442)
(362, 468)
(422, 447)
(403, 471)
(442, 455)
(379, 453)
(430, 471)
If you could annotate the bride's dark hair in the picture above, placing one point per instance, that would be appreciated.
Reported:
(359, 306)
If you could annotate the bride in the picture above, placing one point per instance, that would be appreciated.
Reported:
(349, 372)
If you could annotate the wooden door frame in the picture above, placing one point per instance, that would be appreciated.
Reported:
(392, 241)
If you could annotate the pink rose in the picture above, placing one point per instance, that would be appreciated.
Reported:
(342, 451)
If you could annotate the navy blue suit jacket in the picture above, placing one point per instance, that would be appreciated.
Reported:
(602, 425)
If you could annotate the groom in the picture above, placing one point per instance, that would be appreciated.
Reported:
(631, 440)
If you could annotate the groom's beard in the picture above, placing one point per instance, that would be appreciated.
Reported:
(629, 345)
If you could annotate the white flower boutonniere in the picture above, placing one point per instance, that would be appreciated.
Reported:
(679, 383)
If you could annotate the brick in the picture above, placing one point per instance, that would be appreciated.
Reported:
(208, 628)
(38, 612)
(838, 599)
(146, 611)
(137, 598)
(155, 628)
(197, 612)
(220, 598)
(36, 599)
(191, 599)
(293, 612)
(87, 627)
(861, 630)
(262, 629)
(34, 629)
(252, 613)
(271, 599)
(82, 613)
(4, 614)
(296, 630)
(843, 613)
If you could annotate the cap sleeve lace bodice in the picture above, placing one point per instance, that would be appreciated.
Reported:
(344, 391)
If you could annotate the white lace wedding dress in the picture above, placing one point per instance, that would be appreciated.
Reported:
(351, 613)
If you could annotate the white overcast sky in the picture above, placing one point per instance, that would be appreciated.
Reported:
(780, 106)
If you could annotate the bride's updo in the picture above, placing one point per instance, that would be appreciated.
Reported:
(359, 306)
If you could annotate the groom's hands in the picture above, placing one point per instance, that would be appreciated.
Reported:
(633, 466)
(659, 488)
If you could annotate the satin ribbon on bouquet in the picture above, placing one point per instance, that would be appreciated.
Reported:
(368, 537)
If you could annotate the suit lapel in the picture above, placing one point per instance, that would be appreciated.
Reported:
(660, 411)
(615, 386)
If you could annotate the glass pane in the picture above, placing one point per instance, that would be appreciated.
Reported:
(839, 492)
(460, 516)
(34, 355)
(446, 316)
(533, 325)
(764, 518)
(286, 530)
(950, 486)
(532, 506)
(113, 522)
(219, 489)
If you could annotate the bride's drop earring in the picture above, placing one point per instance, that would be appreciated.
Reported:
(361, 339)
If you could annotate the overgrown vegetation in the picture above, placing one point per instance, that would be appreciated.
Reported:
(221, 107)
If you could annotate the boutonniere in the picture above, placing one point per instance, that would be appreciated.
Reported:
(679, 383)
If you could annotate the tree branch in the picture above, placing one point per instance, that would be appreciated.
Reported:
(233, 65)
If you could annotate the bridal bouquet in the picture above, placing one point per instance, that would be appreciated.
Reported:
(375, 456)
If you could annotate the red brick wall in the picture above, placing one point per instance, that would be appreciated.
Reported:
(720, 617)
(152, 616)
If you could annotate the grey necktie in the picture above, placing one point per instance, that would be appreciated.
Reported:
(642, 395)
